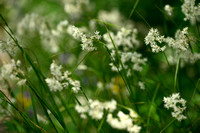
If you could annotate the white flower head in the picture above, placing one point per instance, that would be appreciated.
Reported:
(173, 102)
(168, 9)
(153, 38)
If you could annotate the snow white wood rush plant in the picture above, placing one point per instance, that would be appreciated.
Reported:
(84, 66)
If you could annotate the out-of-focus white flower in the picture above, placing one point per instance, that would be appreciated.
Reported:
(54, 84)
(34, 23)
(190, 11)
(95, 108)
(125, 41)
(76, 85)
(123, 122)
(168, 9)
(74, 7)
(56, 70)
(8, 46)
(11, 71)
(141, 85)
(112, 16)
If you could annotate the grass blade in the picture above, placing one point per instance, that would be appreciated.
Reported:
(133, 9)
(176, 73)
(151, 107)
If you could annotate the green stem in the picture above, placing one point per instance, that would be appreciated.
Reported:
(176, 73)
(167, 126)
(154, 96)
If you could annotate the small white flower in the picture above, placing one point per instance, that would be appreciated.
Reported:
(141, 85)
(168, 9)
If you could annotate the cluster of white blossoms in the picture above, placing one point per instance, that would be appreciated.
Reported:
(181, 40)
(95, 108)
(33, 23)
(60, 80)
(87, 42)
(12, 72)
(168, 9)
(74, 7)
(8, 46)
(153, 38)
(179, 46)
(124, 121)
(141, 85)
(50, 40)
(177, 104)
(190, 11)
(50, 36)
(61, 28)
(113, 17)
(134, 59)
(125, 41)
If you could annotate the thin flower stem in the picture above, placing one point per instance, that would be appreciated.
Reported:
(167, 126)
(176, 73)
(150, 110)
(166, 58)
(143, 18)
(133, 9)
(196, 87)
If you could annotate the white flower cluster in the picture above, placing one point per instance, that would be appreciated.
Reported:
(49, 37)
(113, 17)
(181, 40)
(8, 46)
(168, 9)
(32, 23)
(60, 80)
(141, 85)
(133, 58)
(74, 7)
(153, 38)
(61, 28)
(50, 40)
(125, 41)
(177, 104)
(11, 72)
(87, 42)
(179, 47)
(124, 121)
(190, 11)
(95, 108)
